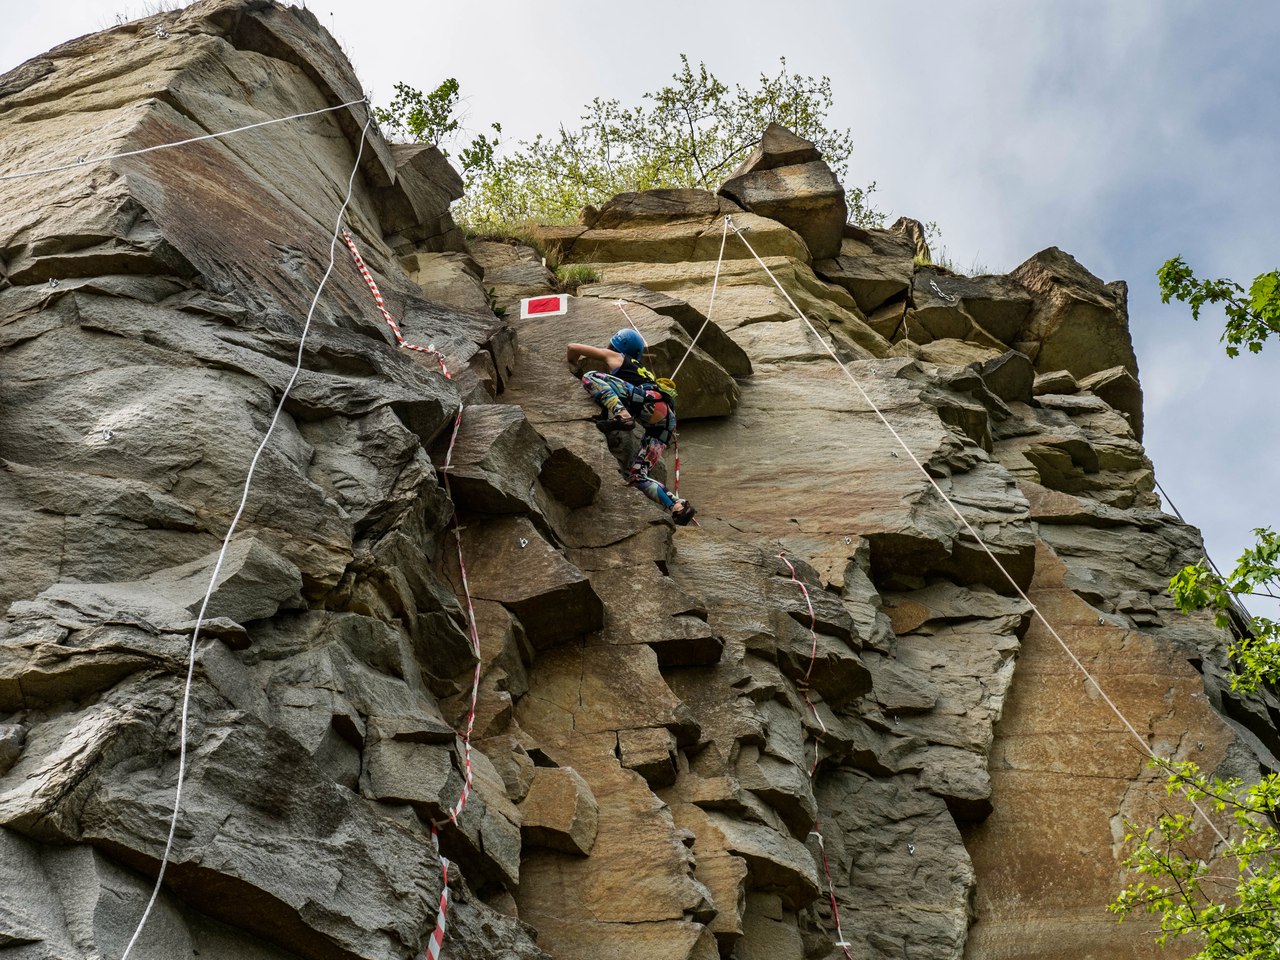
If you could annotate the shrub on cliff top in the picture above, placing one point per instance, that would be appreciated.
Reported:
(691, 132)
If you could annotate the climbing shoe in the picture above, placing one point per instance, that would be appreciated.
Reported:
(683, 514)
(614, 424)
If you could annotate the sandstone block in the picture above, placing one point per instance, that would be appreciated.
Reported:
(775, 861)
(12, 737)
(559, 812)
(1009, 376)
(496, 460)
(650, 752)
(959, 353)
(999, 305)
(898, 688)
(568, 477)
(1057, 382)
(873, 280)
(553, 600)
(252, 584)
(806, 197)
(661, 207)
(402, 771)
(778, 147)
(511, 271)
(1077, 322)
(416, 206)
(512, 762)
(1121, 389)
(452, 278)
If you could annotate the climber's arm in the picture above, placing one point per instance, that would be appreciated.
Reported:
(576, 351)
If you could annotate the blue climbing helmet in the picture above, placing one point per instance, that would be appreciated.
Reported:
(628, 342)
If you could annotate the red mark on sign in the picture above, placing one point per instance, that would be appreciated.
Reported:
(543, 305)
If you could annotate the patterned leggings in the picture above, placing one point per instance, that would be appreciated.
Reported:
(614, 394)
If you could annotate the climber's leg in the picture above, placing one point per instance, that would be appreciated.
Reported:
(609, 392)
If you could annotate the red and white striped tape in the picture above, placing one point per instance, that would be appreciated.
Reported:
(382, 308)
(436, 943)
(804, 691)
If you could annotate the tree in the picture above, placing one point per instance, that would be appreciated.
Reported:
(1234, 911)
(434, 118)
(1256, 651)
(691, 132)
(1250, 319)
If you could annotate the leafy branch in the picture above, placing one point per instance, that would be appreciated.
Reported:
(1251, 317)
(1177, 886)
(1256, 655)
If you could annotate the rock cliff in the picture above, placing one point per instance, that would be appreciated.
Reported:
(677, 757)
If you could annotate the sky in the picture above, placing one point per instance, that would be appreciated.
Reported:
(1122, 132)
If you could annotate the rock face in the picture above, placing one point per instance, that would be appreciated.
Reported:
(686, 742)
(786, 180)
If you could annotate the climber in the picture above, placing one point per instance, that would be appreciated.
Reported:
(630, 392)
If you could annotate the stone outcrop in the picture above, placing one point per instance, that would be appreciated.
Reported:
(785, 179)
(1078, 323)
(686, 742)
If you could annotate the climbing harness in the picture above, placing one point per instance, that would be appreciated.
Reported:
(231, 529)
(382, 308)
(817, 740)
(1146, 749)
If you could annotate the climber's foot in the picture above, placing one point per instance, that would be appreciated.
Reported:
(682, 512)
(620, 423)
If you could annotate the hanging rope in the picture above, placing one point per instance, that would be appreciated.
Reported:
(94, 161)
(715, 283)
(969, 527)
(813, 767)
(226, 542)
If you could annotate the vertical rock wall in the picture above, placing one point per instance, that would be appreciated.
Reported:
(668, 762)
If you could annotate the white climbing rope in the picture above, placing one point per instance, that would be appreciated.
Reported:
(93, 161)
(630, 322)
(724, 235)
(969, 527)
(841, 942)
(226, 541)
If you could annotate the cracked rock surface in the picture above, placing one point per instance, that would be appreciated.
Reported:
(687, 742)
